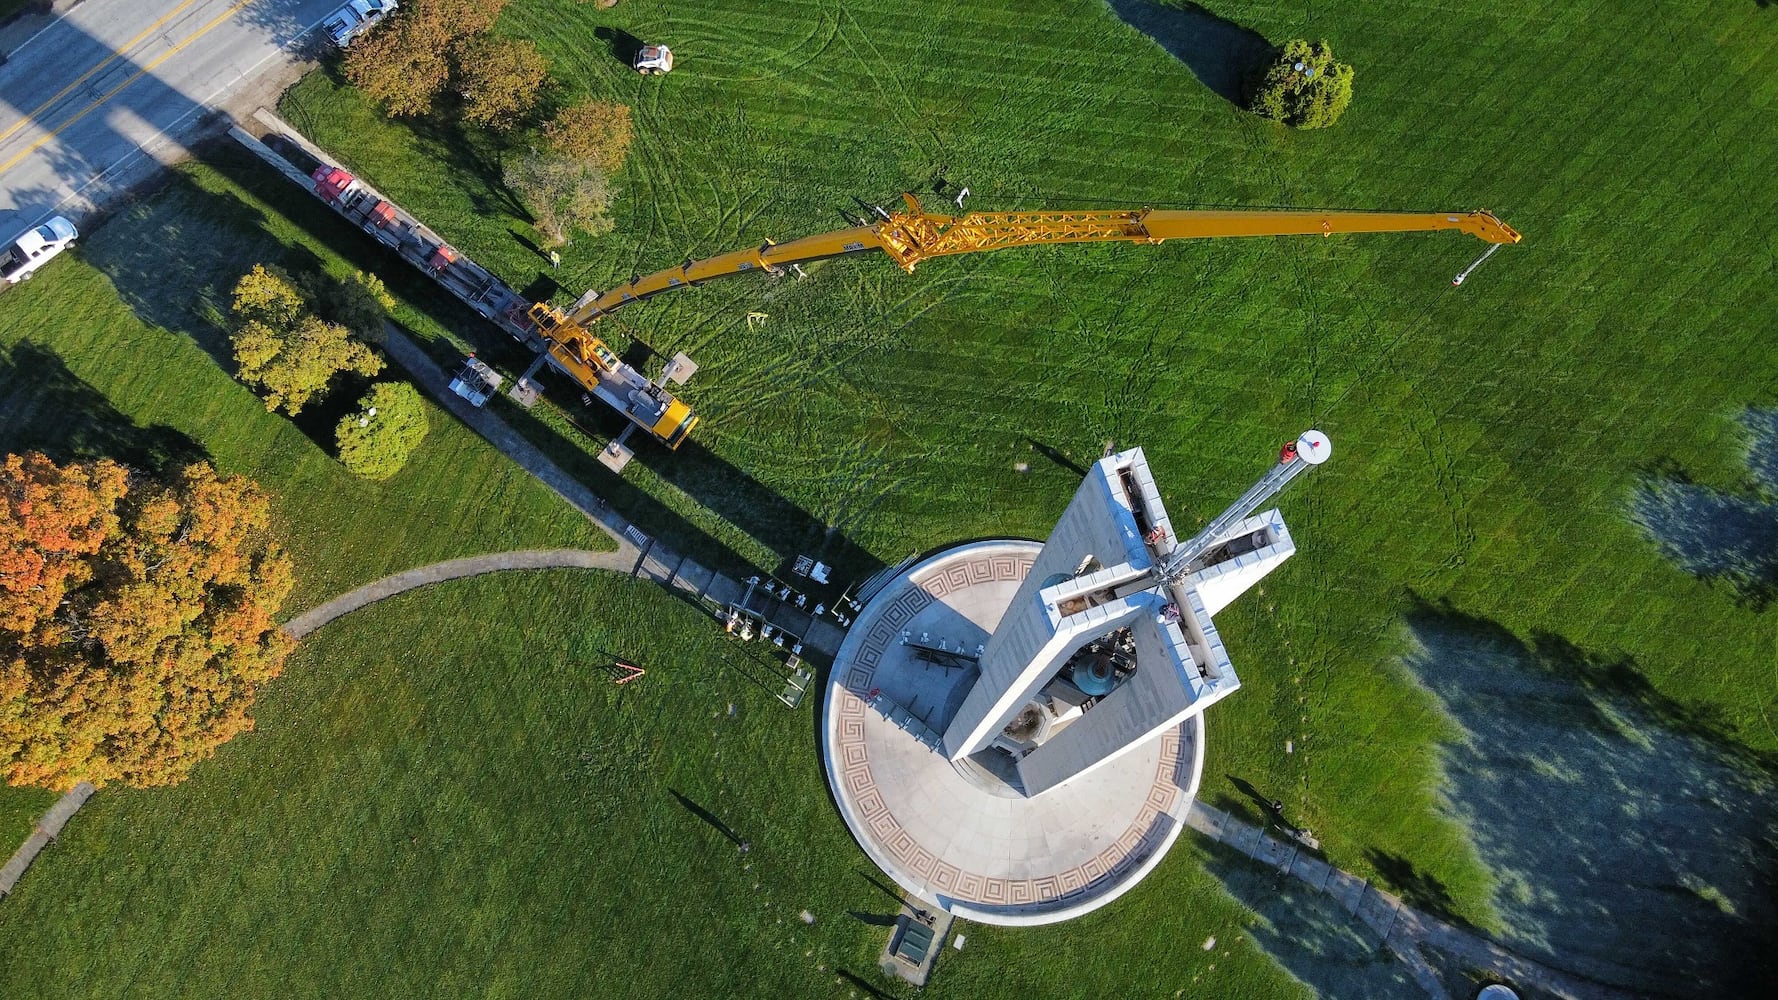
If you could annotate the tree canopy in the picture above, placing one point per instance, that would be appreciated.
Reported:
(597, 132)
(500, 79)
(136, 619)
(1303, 86)
(405, 62)
(563, 194)
(286, 351)
(375, 442)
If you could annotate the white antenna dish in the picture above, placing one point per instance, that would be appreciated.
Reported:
(1313, 447)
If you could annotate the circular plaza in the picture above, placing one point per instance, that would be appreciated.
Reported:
(963, 835)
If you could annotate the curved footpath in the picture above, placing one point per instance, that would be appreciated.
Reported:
(456, 569)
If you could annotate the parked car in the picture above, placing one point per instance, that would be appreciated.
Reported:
(23, 256)
(354, 19)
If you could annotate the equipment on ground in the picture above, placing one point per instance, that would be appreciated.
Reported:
(908, 236)
(22, 257)
(653, 60)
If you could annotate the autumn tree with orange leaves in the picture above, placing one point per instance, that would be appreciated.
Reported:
(136, 619)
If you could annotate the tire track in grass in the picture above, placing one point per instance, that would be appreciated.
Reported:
(913, 123)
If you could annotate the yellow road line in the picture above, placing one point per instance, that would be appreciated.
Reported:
(113, 92)
(84, 77)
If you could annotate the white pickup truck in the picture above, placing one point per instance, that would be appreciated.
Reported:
(355, 18)
(22, 257)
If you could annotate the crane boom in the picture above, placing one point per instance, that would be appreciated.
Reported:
(913, 235)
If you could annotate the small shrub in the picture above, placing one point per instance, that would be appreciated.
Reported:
(598, 132)
(376, 441)
(499, 79)
(563, 194)
(1303, 87)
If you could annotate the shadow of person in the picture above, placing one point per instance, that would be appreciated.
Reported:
(1055, 455)
(709, 817)
(1219, 52)
(624, 46)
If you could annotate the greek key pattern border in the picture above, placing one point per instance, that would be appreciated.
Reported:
(1146, 834)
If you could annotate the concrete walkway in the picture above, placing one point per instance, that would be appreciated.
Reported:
(428, 376)
(455, 569)
(637, 553)
(48, 829)
(1400, 928)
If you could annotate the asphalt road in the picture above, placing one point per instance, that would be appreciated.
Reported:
(95, 100)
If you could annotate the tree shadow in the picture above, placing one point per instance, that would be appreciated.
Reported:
(46, 407)
(1307, 933)
(1716, 535)
(624, 46)
(1416, 888)
(462, 150)
(1631, 841)
(1219, 52)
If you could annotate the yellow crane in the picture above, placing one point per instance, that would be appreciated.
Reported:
(913, 235)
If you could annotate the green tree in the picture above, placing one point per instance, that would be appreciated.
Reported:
(499, 79)
(402, 63)
(461, 17)
(285, 351)
(1303, 86)
(376, 441)
(597, 132)
(563, 194)
(360, 303)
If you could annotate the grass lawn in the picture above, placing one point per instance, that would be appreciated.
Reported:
(1491, 443)
(1491, 438)
(473, 809)
(116, 351)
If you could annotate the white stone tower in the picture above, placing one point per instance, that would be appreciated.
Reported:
(1115, 617)
(1014, 731)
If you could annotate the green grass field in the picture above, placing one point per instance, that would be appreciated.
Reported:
(1491, 441)
(118, 353)
(408, 829)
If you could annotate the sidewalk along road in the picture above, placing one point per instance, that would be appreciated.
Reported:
(106, 92)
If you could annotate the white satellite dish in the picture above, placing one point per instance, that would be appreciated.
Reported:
(1313, 447)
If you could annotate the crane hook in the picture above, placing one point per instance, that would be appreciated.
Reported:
(1463, 274)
